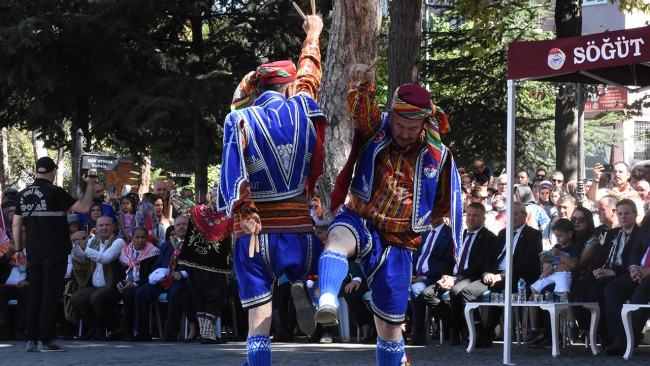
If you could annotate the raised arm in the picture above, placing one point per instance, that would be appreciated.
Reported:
(362, 107)
(309, 65)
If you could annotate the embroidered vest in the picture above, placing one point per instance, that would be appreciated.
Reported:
(425, 181)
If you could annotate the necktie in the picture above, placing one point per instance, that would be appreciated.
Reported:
(426, 253)
(463, 257)
(130, 276)
(618, 241)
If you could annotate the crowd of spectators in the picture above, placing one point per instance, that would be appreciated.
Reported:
(124, 248)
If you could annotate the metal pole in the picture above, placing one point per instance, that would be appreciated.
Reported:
(510, 163)
(76, 169)
(580, 101)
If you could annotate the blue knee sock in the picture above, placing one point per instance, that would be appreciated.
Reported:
(389, 353)
(332, 269)
(258, 349)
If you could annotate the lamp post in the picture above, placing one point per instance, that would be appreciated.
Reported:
(580, 93)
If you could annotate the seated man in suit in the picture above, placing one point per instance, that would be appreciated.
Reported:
(636, 286)
(175, 284)
(138, 258)
(432, 254)
(466, 268)
(353, 288)
(526, 246)
(99, 295)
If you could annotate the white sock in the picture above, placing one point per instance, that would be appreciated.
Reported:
(327, 299)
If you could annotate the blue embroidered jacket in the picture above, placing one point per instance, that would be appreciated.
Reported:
(269, 145)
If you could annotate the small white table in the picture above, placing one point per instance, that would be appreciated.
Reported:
(554, 310)
(626, 315)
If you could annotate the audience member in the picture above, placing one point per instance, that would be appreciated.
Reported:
(523, 178)
(463, 283)
(634, 286)
(541, 174)
(126, 218)
(8, 210)
(434, 252)
(544, 201)
(466, 181)
(353, 293)
(158, 232)
(557, 266)
(14, 285)
(535, 188)
(557, 178)
(482, 171)
(170, 277)
(526, 246)
(95, 302)
(536, 216)
(495, 220)
(138, 258)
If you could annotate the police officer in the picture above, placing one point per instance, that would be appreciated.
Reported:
(43, 208)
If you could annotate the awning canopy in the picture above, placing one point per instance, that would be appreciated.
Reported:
(620, 58)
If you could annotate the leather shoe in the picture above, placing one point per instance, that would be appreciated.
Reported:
(142, 337)
(417, 339)
(454, 337)
(88, 335)
(170, 338)
(617, 348)
(99, 335)
(114, 336)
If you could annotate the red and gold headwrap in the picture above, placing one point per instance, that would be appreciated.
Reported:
(414, 102)
(247, 91)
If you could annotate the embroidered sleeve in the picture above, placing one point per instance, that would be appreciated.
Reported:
(309, 68)
(363, 110)
(244, 207)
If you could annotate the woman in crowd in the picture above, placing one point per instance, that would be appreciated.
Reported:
(537, 217)
(495, 220)
(544, 200)
(466, 181)
(583, 224)
(643, 188)
(159, 230)
(95, 213)
(536, 182)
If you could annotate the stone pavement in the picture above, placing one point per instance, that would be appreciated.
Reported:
(336, 354)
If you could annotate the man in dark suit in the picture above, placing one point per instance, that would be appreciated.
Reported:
(636, 286)
(433, 252)
(353, 291)
(138, 259)
(612, 262)
(463, 269)
(526, 246)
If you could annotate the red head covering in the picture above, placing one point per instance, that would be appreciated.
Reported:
(278, 72)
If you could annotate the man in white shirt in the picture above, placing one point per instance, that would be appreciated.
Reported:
(100, 294)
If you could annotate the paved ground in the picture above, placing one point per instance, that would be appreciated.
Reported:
(337, 354)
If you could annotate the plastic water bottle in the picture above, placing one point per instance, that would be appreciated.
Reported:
(522, 290)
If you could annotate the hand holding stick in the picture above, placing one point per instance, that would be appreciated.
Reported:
(254, 244)
(361, 73)
(313, 9)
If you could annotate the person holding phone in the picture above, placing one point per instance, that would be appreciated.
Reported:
(48, 245)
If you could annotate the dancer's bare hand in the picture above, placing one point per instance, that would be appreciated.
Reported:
(250, 226)
(313, 26)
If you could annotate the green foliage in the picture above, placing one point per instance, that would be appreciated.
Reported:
(472, 90)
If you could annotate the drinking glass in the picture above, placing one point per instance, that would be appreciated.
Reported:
(538, 299)
(548, 297)
(564, 297)
(494, 297)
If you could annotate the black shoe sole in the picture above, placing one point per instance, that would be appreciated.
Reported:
(304, 308)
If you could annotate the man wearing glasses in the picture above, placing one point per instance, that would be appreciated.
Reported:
(557, 178)
(480, 195)
(541, 173)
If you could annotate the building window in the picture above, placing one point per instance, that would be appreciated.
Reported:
(641, 141)
(594, 2)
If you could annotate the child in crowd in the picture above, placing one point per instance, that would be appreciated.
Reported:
(558, 264)
(126, 218)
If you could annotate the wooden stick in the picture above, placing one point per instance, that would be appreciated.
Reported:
(375, 62)
(251, 246)
(298, 10)
(313, 7)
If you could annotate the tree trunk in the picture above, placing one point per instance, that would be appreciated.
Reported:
(38, 145)
(4, 162)
(568, 23)
(144, 178)
(354, 35)
(404, 42)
